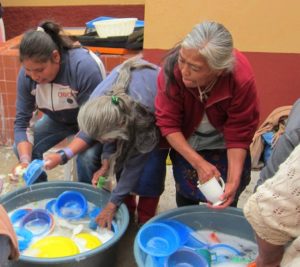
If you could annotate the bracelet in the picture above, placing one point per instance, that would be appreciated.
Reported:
(25, 158)
(69, 152)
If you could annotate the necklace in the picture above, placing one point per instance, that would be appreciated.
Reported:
(203, 93)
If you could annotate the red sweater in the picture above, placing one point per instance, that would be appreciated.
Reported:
(232, 107)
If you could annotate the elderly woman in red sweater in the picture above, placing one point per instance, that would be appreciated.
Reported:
(207, 109)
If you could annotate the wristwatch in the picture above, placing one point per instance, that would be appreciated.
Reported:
(63, 155)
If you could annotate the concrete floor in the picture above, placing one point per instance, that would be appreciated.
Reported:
(125, 257)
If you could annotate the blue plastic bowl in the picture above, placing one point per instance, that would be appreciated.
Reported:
(39, 222)
(33, 171)
(182, 230)
(185, 257)
(50, 206)
(24, 237)
(18, 215)
(158, 239)
(71, 205)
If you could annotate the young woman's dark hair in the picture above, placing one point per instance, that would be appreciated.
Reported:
(38, 44)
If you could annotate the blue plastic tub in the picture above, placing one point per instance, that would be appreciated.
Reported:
(230, 221)
(90, 24)
(105, 255)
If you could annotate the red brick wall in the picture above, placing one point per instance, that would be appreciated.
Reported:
(19, 19)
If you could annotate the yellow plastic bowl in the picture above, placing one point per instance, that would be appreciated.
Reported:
(54, 247)
(91, 241)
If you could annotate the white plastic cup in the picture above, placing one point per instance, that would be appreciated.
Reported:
(212, 190)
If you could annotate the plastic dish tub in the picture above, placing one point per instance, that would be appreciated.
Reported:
(230, 221)
(105, 255)
(115, 27)
(90, 24)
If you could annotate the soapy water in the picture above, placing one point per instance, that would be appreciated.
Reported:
(64, 228)
(224, 255)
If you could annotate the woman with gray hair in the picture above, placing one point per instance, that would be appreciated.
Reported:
(207, 108)
(120, 114)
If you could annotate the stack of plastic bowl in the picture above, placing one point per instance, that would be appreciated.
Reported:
(163, 242)
(182, 245)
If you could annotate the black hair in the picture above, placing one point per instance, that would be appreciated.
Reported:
(38, 44)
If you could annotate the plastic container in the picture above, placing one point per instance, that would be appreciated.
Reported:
(54, 247)
(33, 171)
(186, 257)
(229, 221)
(115, 27)
(38, 221)
(71, 205)
(24, 237)
(158, 239)
(18, 215)
(50, 206)
(90, 24)
(180, 228)
(105, 255)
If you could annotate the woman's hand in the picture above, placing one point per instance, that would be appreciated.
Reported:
(51, 160)
(104, 219)
(101, 172)
(206, 170)
(18, 170)
(228, 196)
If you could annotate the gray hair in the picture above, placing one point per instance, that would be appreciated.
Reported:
(214, 42)
(128, 122)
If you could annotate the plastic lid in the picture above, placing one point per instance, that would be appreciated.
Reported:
(54, 247)
(33, 171)
(38, 221)
(89, 241)
(71, 205)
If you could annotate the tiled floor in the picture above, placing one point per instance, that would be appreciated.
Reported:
(125, 247)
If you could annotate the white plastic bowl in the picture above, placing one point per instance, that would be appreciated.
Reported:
(115, 27)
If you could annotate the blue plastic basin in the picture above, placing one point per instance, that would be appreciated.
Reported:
(230, 221)
(105, 255)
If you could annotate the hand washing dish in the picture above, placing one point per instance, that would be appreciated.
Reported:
(115, 27)
(33, 171)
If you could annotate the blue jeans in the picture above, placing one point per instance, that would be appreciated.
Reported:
(152, 180)
(48, 133)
